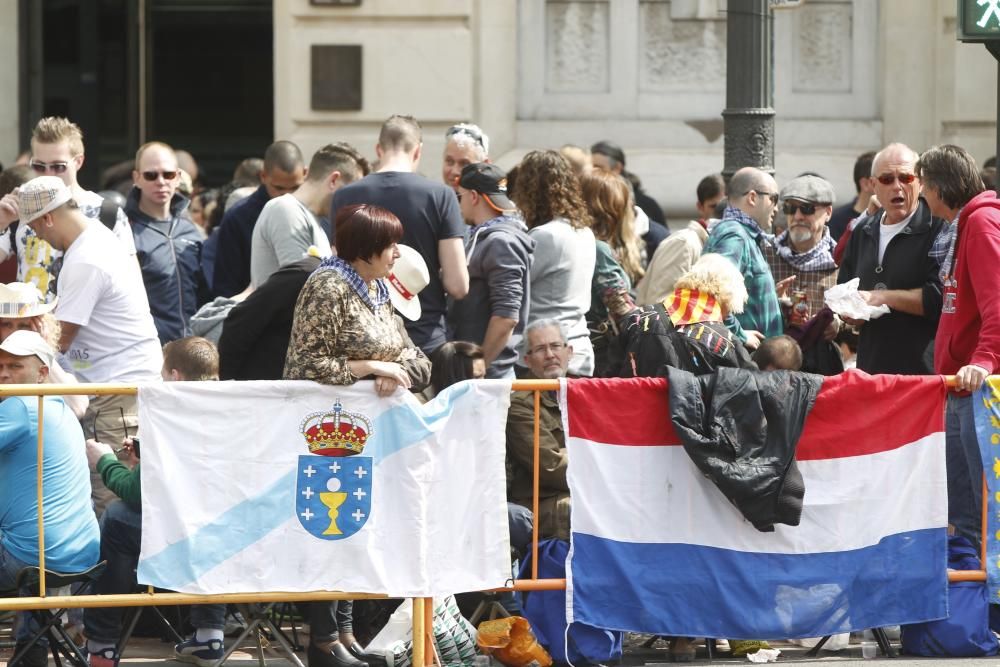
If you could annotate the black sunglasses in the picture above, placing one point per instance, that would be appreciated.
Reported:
(791, 207)
(468, 131)
(153, 175)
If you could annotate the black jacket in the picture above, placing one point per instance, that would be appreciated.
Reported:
(895, 343)
(740, 428)
(254, 338)
(652, 344)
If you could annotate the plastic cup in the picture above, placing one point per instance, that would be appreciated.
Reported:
(869, 650)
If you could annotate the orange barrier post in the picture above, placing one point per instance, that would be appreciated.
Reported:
(39, 487)
(419, 636)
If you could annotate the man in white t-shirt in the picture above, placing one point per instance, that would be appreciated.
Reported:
(56, 149)
(289, 225)
(107, 330)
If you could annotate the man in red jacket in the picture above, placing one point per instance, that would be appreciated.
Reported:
(967, 344)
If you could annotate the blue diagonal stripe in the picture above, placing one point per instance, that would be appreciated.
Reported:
(184, 562)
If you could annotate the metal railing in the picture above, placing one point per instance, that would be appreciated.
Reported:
(423, 608)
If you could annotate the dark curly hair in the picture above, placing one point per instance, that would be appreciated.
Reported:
(547, 188)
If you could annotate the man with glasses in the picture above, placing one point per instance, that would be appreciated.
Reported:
(547, 356)
(168, 243)
(56, 150)
(464, 144)
(753, 198)
(890, 253)
(803, 254)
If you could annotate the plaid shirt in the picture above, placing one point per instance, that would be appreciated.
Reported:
(738, 238)
(357, 283)
(813, 283)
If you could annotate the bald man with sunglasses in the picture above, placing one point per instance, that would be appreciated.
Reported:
(168, 243)
(890, 253)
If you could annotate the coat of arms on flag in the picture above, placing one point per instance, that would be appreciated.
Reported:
(333, 495)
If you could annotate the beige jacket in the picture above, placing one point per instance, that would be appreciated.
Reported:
(673, 258)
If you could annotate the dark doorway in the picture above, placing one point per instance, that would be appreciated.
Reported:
(205, 83)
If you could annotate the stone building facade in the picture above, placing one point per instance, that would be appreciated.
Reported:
(850, 75)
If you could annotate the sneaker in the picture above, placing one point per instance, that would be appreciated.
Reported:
(203, 654)
(106, 657)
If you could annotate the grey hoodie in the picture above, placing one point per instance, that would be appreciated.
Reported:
(498, 253)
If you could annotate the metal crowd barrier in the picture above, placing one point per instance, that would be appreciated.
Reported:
(423, 608)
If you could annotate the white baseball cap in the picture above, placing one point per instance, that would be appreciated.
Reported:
(25, 343)
(409, 275)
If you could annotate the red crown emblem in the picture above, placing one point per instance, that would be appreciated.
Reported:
(336, 433)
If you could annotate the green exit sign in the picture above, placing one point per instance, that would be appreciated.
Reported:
(978, 20)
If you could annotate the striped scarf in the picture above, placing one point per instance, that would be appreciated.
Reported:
(688, 306)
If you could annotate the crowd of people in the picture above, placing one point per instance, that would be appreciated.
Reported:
(338, 270)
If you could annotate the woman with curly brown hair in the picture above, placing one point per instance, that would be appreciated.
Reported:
(548, 194)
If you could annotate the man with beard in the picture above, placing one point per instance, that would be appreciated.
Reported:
(804, 253)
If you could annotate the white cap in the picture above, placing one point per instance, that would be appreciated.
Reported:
(26, 343)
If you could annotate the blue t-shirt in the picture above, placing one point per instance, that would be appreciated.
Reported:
(72, 538)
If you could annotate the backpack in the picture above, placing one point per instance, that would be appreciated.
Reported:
(966, 631)
(546, 611)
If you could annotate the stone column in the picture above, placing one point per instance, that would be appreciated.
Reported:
(749, 113)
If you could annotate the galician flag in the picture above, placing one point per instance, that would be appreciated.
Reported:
(296, 486)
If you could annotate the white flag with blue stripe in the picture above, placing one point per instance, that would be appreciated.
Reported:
(296, 486)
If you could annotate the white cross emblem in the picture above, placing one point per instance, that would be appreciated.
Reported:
(358, 515)
(308, 493)
(335, 468)
(309, 471)
(308, 514)
(361, 472)
(359, 494)
(992, 9)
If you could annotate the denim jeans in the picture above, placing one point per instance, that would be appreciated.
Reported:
(121, 531)
(965, 469)
(25, 622)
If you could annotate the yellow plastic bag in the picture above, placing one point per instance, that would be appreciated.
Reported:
(511, 641)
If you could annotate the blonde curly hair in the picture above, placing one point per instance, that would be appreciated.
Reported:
(718, 276)
(547, 188)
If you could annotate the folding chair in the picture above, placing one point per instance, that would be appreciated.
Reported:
(259, 622)
(50, 620)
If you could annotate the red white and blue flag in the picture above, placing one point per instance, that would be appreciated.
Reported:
(657, 548)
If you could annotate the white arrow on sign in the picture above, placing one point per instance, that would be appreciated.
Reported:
(992, 9)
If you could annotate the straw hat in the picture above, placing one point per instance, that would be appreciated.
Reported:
(409, 276)
(23, 300)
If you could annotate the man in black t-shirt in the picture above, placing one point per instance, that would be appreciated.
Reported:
(432, 222)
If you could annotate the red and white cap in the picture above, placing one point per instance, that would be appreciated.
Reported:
(409, 275)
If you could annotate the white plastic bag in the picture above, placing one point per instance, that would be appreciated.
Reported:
(845, 300)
